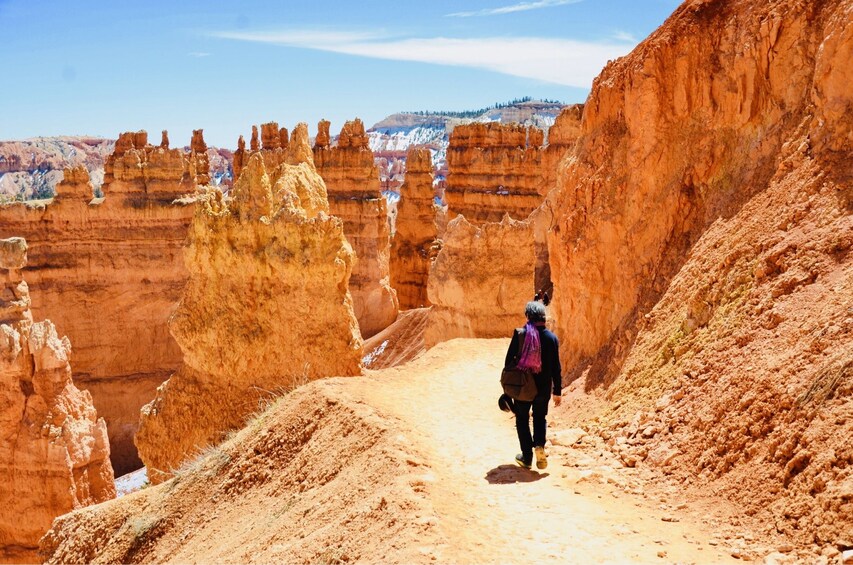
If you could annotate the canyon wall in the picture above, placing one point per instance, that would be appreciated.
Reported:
(352, 181)
(701, 256)
(498, 169)
(481, 280)
(108, 272)
(494, 169)
(266, 308)
(416, 232)
(54, 452)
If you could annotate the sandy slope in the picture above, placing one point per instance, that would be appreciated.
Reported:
(407, 464)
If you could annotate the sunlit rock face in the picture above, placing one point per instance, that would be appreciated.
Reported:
(494, 169)
(54, 452)
(481, 280)
(352, 181)
(416, 232)
(267, 306)
(701, 255)
(109, 272)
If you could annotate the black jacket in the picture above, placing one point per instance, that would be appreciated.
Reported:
(551, 376)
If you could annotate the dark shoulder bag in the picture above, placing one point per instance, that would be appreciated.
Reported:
(518, 384)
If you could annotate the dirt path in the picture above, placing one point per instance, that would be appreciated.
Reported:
(490, 510)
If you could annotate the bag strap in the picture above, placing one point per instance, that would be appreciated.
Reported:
(521, 332)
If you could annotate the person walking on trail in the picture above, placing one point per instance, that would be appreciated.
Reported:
(537, 349)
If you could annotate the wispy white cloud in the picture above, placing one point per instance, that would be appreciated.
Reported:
(198, 54)
(560, 61)
(620, 35)
(520, 7)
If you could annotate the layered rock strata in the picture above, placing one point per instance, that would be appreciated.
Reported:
(480, 280)
(54, 452)
(109, 273)
(416, 232)
(352, 181)
(267, 307)
(701, 255)
(562, 137)
(494, 169)
(497, 169)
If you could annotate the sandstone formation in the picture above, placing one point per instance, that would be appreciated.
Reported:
(562, 137)
(494, 169)
(415, 232)
(701, 255)
(497, 169)
(480, 280)
(274, 142)
(108, 272)
(54, 452)
(266, 307)
(352, 181)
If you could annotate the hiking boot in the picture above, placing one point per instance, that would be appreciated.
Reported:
(522, 462)
(541, 459)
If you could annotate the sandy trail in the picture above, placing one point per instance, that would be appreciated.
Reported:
(490, 510)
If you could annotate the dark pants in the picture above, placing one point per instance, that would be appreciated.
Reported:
(522, 424)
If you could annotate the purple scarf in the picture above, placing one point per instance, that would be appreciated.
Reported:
(531, 353)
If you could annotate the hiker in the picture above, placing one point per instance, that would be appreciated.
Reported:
(538, 296)
(539, 352)
(546, 300)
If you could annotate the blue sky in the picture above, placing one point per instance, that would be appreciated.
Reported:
(98, 68)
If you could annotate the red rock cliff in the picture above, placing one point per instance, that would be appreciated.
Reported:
(352, 181)
(415, 231)
(54, 453)
(701, 255)
(109, 272)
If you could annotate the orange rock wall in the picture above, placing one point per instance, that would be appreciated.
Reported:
(267, 307)
(701, 255)
(54, 452)
(352, 181)
(108, 272)
(562, 137)
(494, 169)
(415, 232)
(481, 280)
(497, 169)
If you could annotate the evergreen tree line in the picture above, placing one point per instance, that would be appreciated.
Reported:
(475, 113)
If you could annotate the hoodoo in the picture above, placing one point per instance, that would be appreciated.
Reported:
(415, 231)
(267, 307)
(701, 255)
(352, 181)
(108, 272)
(480, 280)
(54, 452)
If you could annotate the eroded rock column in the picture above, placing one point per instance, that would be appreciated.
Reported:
(109, 272)
(54, 452)
(354, 196)
(416, 232)
(267, 307)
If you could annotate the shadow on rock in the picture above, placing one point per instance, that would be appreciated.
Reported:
(510, 474)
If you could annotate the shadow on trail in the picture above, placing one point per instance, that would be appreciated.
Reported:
(511, 474)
